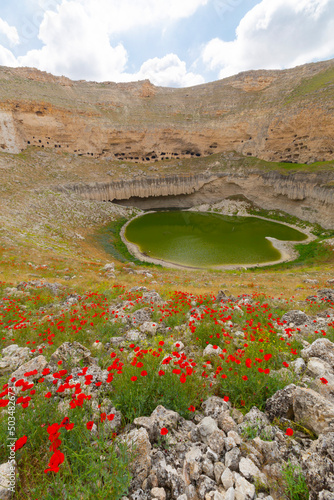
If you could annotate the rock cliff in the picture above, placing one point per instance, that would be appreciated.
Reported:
(308, 196)
(274, 115)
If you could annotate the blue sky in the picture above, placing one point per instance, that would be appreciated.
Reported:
(175, 43)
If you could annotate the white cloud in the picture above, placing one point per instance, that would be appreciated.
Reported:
(75, 46)
(7, 58)
(168, 71)
(120, 16)
(10, 32)
(275, 34)
(77, 40)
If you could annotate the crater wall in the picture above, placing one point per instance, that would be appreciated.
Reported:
(273, 115)
(309, 196)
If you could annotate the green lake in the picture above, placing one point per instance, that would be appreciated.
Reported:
(200, 239)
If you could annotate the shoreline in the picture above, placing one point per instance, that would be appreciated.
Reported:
(288, 253)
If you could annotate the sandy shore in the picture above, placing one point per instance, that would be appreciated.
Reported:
(286, 249)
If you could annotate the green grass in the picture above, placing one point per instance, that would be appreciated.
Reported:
(110, 240)
(139, 397)
(322, 82)
(80, 478)
(295, 483)
(311, 254)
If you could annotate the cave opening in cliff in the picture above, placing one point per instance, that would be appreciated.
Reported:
(170, 202)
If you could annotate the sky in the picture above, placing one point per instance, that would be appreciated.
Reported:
(173, 43)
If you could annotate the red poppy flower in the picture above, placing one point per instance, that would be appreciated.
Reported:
(226, 398)
(164, 431)
(266, 357)
(134, 378)
(324, 381)
(89, 425)
(20, 443)
(289, 432)
(143, 373)
(103, 417)
(110, 417)
(244, 377)
(56, 460)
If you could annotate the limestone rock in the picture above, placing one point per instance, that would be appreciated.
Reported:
(158, 493)
(250, 471)
(227, 479)
(206, 427)
(243, 489)
(254, 418)
(325, 495)
(232, 459)
(215, 406)
(138, 443)
(152, 297)
(326, 294)
(149, 328)
(299, 366)
(7, 480)
(321, 348)
(208, 468)
(313, 410)
(212, 351)
(216, 441)
(13, 357)
(169, 479)
(71, 354)
(141, 316)
(235, 436)
(318, 463)
(215, 495)
(229, 443)
(281, 403)
(34, 368)
(218, 470)
(268, 449)
(204, 486)
(296, 317)
(320, 370)
(230, 494)
(192, 467)
(160, 417)
(222, 297)
(134, 336)
(226, 422)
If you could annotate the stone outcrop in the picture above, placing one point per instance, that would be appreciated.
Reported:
(308, 196)
(274, 115)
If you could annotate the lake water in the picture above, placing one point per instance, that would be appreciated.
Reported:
(200, 239)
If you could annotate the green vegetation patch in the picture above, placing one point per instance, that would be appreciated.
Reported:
(323, 81)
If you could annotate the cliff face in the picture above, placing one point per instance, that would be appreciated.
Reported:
(308, 196)
(273, 115)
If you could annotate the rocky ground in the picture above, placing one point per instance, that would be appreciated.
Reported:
(210, 444)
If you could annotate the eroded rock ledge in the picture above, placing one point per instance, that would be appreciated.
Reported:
(308, 196)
